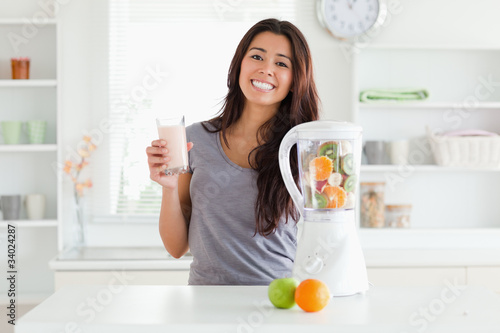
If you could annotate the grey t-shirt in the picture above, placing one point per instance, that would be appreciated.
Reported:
(222, 226)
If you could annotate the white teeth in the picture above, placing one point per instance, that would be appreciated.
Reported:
(262, 85)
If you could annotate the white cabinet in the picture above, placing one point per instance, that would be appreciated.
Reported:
(458, 204)
(31, 168)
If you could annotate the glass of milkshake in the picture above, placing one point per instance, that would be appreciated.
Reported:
(173, 131)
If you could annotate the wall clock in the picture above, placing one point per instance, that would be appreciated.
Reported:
(350, 20)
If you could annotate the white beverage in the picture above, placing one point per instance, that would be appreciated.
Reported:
(175, 136)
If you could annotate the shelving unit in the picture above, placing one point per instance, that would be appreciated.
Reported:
(32, 168)
(452, 207)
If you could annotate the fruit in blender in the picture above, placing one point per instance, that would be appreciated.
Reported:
(321, 168)
(320, 201)
(335, 179)
(350, 183)
(336, 196)
(347, 164)
(328, 149)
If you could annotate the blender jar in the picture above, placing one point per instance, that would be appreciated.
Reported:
(328, 174)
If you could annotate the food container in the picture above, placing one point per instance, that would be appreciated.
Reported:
(20, 68)
(397, 216)
(372, 205)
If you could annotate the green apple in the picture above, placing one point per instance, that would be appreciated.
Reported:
(281, 292)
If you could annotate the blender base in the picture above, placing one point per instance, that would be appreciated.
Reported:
(330, 251)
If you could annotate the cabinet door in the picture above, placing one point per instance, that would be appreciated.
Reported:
(484, 276)
(404, 277)
(117, 277)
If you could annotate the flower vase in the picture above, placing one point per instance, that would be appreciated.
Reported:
(80, 226)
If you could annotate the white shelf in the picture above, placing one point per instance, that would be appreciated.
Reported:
(421, 168)
(426, 105)
(22, 21)
(9, 83)
(27, 148)
(29, 223)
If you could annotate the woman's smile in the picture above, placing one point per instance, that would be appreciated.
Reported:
(262, 86)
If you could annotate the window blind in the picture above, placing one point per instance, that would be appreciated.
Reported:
(164, 58)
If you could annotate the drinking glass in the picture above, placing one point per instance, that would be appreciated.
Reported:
(173, 131)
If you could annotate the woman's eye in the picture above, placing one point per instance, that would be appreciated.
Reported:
(256, 57)
(281, 64)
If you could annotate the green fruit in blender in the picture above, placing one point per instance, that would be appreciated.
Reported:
(281, 292)
(320, 201)
(328, 149)
(350, 183)
(347, 164)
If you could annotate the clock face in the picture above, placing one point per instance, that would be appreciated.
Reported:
(349, 18)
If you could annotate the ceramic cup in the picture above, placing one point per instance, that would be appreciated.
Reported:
(399, 151)
(36, 131)
(35, 206)
(11, 131)
(375, 152)
(10, 205)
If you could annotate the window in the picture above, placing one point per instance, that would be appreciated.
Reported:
(164, 58)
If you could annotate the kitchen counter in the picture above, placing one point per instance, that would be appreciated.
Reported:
(126, 308)
(157, 258)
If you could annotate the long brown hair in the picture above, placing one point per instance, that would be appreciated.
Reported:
(300, 105)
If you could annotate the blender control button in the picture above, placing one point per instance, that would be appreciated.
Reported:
(313, 265)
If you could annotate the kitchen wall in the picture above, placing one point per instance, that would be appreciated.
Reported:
(424, 22)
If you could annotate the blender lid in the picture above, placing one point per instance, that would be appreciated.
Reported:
(328, 129)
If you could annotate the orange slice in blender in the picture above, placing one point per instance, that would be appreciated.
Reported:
(321, 168)
(336, 196)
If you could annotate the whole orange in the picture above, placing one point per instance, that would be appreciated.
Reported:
(312, 295)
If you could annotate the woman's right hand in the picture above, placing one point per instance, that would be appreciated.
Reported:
(158, 158)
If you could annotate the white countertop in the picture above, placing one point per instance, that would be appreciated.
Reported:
(124, 309)
(157, 258)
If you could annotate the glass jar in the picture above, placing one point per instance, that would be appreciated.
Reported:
(372, 206)
(20, 68)
(397, 216)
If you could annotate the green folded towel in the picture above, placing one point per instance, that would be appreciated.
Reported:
(393, 95)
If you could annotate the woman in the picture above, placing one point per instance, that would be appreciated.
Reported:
(232, 211)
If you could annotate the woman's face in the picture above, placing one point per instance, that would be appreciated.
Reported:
(266, 70)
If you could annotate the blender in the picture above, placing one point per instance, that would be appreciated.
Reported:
(329, 157)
